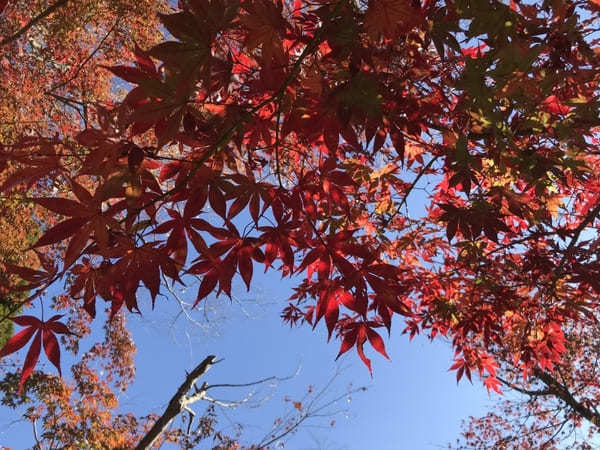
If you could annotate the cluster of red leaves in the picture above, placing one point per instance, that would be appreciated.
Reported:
(287, 126)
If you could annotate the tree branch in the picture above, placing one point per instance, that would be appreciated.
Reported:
(589, 219)
(538, 393)
(178, 403)
(564, 394)
(85, 61)
(409, 190)
(32, 22)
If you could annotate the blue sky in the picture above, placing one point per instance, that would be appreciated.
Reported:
(412, 402)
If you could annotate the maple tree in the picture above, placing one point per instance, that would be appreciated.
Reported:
(295, 136)
(50, 57)
(551, 410)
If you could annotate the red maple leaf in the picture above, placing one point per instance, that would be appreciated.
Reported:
(45, 333)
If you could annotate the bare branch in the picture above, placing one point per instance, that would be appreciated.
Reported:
(255, 383)
(564, 394)
(178, 403)
(541, 392)
(310, 407)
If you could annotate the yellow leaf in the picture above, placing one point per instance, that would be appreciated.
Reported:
(553, 204)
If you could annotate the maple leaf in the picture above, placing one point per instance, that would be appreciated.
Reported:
(33, 166)
(42, 332)
(328, 307)
(86, 220)
(462, 367)
(553, 105)
(356, 334)
(389, 16)
(492, 383)
(475, 51)
(265, 26)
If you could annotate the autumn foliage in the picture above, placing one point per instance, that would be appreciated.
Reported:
(428, 163)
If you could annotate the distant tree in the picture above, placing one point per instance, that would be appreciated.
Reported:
(307, 128)
(18, 229)
(547, 410)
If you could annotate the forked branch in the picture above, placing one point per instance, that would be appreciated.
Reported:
(178, 403)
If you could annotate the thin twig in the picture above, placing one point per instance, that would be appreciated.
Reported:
(591, 216)
(410, 189)
(85, 61)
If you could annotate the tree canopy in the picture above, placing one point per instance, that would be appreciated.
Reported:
(227, 136)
